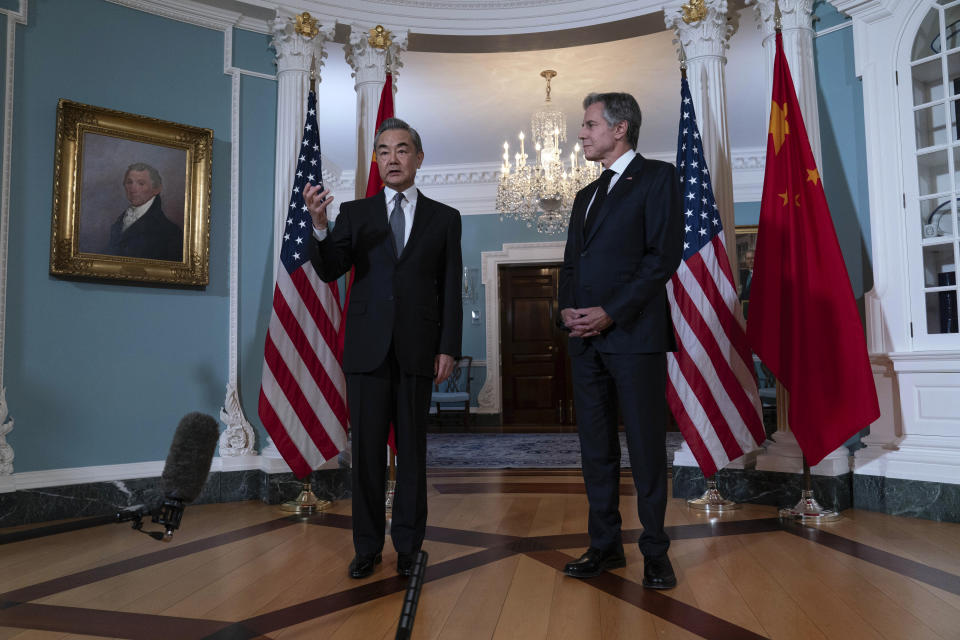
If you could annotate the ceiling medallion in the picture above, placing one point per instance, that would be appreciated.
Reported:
(307, 25)
(541, 194)
(694, 11)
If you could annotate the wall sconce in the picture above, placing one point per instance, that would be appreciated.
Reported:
(470, 284)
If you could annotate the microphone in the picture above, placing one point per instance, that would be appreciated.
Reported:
(184, 474)
(412, 596)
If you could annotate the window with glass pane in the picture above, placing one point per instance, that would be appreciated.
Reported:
(935, 82)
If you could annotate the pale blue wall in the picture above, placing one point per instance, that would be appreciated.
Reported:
(843, 143)
(258, 116)
(96, 372)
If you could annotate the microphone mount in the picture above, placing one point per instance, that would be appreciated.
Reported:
(168, 514)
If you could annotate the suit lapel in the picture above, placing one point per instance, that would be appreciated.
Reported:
(624, 184)
(421, 220)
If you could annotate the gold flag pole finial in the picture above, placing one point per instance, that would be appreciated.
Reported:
(694, 11)
(777, 16)
(307, 26)
(683, 61)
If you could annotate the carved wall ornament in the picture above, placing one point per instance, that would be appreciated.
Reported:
(238, 438)
(709, 35)
(380, 38)
(694, 11)
(6, 426)
(307, 25)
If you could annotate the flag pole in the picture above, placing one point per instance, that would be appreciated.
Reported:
(807, 509)
(712, 501)
(307, 502)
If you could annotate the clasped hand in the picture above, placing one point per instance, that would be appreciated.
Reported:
(317, 201)
(586, 322)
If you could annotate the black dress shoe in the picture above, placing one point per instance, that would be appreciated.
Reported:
(362, 565)
(405, 564)
(658, 572)
(594, 562)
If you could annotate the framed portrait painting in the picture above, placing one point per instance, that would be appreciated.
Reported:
(746, 247)
(131, 198)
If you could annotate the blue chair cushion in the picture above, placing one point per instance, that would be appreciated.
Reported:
(449, 396)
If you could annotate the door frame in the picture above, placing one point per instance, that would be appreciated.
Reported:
(490, 400)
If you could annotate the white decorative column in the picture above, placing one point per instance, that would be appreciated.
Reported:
(14, 17)
(298, 41)
(705, 39)
(368, 53)
(796, 27)
(797, 31)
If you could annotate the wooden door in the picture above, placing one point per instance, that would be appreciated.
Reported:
(537, 392)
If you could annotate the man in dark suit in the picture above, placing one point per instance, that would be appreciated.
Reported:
(624, 243)
(143, 231)
(404, 326)
(746, 275)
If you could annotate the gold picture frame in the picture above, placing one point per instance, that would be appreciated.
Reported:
(127, 190)
(746, 238)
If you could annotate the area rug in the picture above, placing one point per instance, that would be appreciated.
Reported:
(518, 450)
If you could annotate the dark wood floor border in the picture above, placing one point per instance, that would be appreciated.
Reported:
(673, 611)
(81, 578)
(892, 562)
(53, 529)
(318, 607)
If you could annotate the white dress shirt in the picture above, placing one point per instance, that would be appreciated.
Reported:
(617, 167)
(409, 208)
(132, 214)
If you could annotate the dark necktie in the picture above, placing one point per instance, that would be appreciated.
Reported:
(397, 223)
(598, 198)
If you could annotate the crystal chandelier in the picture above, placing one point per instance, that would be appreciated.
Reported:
(541, 194)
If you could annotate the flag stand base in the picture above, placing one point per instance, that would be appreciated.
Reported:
(712, 501)
(808, 509)
(306, 503)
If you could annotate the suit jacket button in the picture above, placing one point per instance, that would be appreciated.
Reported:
(583, 254)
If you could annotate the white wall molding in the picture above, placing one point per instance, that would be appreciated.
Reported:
(151, 469)
(197, 14)
(6, 423)
(513, 253)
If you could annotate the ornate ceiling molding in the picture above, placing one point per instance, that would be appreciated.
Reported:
(441, 17)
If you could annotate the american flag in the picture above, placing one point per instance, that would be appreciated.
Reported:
(712, 386)
(303, 391)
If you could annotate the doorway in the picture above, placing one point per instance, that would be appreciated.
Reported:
(537, 391)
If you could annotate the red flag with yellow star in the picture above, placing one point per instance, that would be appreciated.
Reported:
(803, 321)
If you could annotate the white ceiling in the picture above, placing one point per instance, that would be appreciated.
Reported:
(471, 78)
(466, 104)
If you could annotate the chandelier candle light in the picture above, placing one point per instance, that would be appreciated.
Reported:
(541, 194)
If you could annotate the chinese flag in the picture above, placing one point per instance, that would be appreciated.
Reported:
(374, 183)
(803, 321)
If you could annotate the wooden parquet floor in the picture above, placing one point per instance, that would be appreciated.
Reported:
(497, 541)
